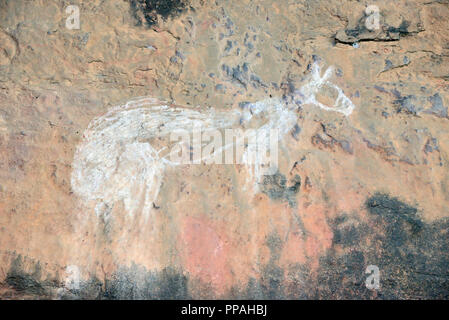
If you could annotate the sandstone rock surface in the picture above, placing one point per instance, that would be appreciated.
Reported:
(369, 187)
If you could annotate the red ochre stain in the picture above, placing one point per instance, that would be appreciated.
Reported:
(205, 253)
(319, 234)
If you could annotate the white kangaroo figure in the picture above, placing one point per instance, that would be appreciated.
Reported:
(342, 104)
(118, 158)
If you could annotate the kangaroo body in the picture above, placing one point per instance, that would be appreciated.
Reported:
(121, 157)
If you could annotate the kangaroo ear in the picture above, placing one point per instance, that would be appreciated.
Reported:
(328, 73)
(314, 69)
(316, 72)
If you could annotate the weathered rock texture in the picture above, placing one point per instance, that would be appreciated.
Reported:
(370, 188)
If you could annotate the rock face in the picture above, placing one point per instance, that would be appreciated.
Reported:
(362, 178)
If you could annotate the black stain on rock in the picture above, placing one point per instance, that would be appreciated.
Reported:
(270, 284)
(275, 186)
(402, 30)
(326, 140)
(238, 74)
(272, 276)
(359, 32)
(150, 10)
(398, 215)
(134, 282)
(295, 132)
(137, 283)
(431, 145)
(437, 108)
(407, 105)
(412, 255)
(29, 282)
(388, 65)
(414, 105)
(349, 235)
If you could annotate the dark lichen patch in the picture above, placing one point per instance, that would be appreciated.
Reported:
(272, 276)
(347, 236)
(358, 31)
(91, 289)
(274, 243)
(29, 282)
(401, 30)
(275, 186)
(149, 11)
(253, 290)
(238, 74)
(276, 283)
(412, 255)
(407, 105)
(136, 283)
(133, 283)
(342, 277)
(271, 282)
(382, 204)
(397, 214)
(25, 283)
(437, 108)
(173, 285)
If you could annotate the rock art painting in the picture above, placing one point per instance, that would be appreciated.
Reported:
(238, 149)
(116, 161)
